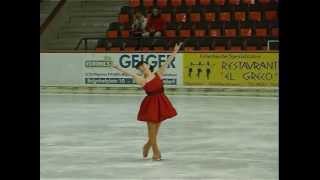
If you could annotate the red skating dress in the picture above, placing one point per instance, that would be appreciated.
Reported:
(155, 107)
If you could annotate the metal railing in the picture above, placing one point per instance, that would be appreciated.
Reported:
(271, 41)
(86, 39)
(53, 13)
(85, 42)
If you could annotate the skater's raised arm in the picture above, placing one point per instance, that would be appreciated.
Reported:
(137, 78)
(163, 67)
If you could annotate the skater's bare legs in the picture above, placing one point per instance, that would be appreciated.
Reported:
(155, 148)
(153, 129)
(147, 146)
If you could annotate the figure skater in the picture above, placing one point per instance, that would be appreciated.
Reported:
(155, 107)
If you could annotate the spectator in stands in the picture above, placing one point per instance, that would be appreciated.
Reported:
(139, 24)
(155, 25)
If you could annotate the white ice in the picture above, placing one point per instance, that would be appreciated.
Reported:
(98, 137)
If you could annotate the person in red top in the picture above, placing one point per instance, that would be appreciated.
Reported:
(156, 25)
(155, 107)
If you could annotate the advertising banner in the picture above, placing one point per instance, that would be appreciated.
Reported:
(95, 68)
(231, 69)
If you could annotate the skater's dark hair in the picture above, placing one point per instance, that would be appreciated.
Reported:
(151, 68)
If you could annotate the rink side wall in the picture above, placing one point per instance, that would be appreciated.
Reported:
(245, 73)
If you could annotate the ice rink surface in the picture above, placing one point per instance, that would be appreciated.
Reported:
(87, 137)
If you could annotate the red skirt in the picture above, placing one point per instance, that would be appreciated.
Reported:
(156, 108)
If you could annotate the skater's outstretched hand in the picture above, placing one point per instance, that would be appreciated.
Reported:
(114, 65)
(136, 77)
(163, 67)
(177, 47)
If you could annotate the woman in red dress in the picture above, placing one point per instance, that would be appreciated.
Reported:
(155, 107)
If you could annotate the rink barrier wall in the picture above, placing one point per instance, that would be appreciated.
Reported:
(91, 73)
(185, 90)
(231, 69)
(87, 69)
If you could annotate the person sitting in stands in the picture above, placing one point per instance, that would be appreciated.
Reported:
(139, 24)
(156, 25)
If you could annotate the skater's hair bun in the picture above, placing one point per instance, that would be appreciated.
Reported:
(139, 64)
(151, 68)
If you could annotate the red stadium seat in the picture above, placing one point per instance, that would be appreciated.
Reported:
(124, 33)
(112, 34)
(176, 3)
(134, 3)
(200, 29)
(245, 32)
(159, 49)
(225, 16)
(205, 2)
(185, 33)
(248, 2)
(251, 48)
(271, 15)
(215, 32)
(130, 49)
(148, 3)
(115, 49)
(189, 48)
(261, 32)
(209, 16)
(255, 15)
(240, 16)
(205, 49)
(230, 29)
(196, 13)
(100, 49)
(145, 49)
(181, 17)
(215, 29)
(235, 48)
(234, 2)
(275, 32)
(123, 18)
(199, 33)
(264, 2)
(190, 2)
(171, 30)
(230, 32)
(166, 17)
(219, 48)
(219, 2)
(195, 17)
(246, 29)
(162, 3)
(170, 33)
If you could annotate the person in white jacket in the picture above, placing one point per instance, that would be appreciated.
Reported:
(139, 24)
